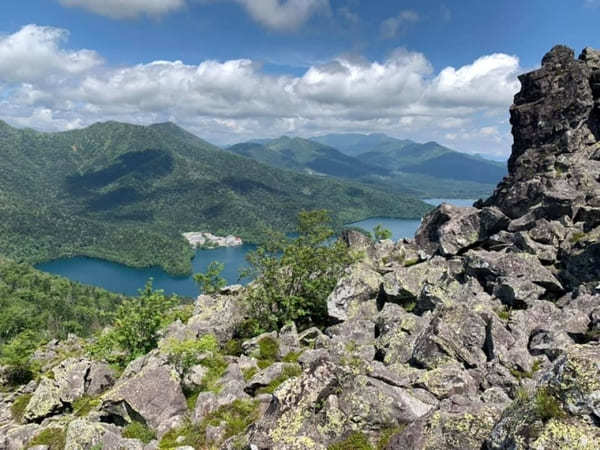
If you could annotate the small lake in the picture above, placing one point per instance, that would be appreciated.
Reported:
(127, 280)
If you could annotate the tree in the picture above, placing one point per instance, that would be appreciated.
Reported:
(136, 326)
(294, 277)
(381, 233)
(211, 281)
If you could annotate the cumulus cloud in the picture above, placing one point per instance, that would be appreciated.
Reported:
(283, 14)
(34, 53)
(126, 9)
(227, 101)
(393, 26)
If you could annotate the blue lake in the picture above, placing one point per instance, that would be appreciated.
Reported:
(127, 280)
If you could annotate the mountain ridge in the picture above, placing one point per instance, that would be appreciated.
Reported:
(106, 189)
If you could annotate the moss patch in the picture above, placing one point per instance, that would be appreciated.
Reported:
(55, 438)
(17, 409)
(84, 405)
(137, 430)
(235, 417)
(356, 441)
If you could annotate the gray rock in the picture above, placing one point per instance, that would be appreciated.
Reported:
(448, 229)
(359, 284)
(149, 389)
(268, 375)
(455, 334)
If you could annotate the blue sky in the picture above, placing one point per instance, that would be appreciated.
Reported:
(230, 70)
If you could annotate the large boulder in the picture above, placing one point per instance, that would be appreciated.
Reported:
(449, 230)
(359, 284)
(148, 391)
(71, 379)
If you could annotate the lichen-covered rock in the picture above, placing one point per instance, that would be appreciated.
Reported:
(456, 428)
(85, 435)
(455, 333)
(149, 389)
(359, 284)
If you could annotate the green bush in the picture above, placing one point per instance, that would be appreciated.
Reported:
(16, 355)
(55, 438)
(381, 233)
(136, 326)
(211, 281)
(138, 430)
(294, 277)
(547, 406)
(184, 354)
(235, 417)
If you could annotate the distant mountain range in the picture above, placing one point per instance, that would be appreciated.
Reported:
(126, 193)
(426, 170)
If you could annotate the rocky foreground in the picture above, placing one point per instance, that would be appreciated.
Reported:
(481, 333)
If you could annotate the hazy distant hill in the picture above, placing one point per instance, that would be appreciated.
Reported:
(429, 159)
(126, 193)
(306, 156)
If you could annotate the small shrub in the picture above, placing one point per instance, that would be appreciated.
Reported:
(249, 373)
(576, 237)
(387, 434)
(268, 352)
(190, 398)
(236, 417)
(356, 441)
(83, 405)
(137, 430)
(233, 347)
(547, 406)
(504, 313)
(292, 357)
(211, 281)
(135, 331)
(295, 277)
(381, 233)
(55, 438)
(17, 409)
(216, 368)
(184, 354)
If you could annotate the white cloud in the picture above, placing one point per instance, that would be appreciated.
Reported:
(393, 26)
(283, 15)
(227, 101)
(490, 80)
(126, 9)
(34, 53)
(280, 15)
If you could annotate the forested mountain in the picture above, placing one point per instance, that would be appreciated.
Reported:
(306, 156)
(403, 166)
(126, 193)
(429, 159)
(48, 306)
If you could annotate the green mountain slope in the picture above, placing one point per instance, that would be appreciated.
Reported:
(354, 144)
(306, 156)
(49, 306)
(418, 165)
(126, 193)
